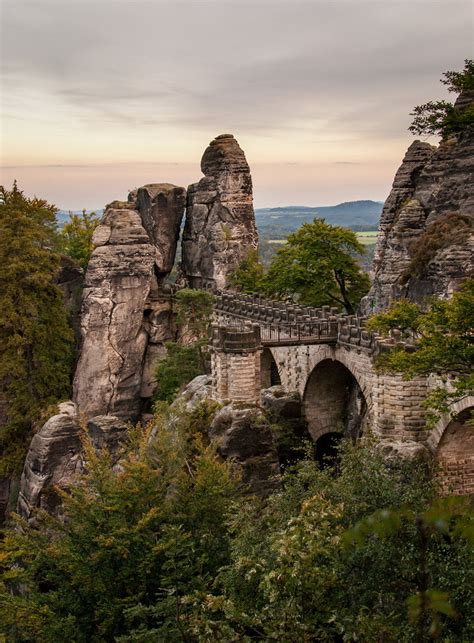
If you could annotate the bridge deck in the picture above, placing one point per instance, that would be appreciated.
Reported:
(285, 324)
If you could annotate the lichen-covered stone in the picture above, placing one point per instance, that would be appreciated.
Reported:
(220, 221)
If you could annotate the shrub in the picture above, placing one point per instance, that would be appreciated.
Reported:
(448, 230)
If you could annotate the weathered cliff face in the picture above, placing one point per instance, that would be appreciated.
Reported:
(220, 221)
(161, 207)
(55, 458)
(425, 245)
(117, 285)
(126, 313)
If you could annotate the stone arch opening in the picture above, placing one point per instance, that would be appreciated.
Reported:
(455, 455)
(269, 370)
(326, 449)
(333, 401)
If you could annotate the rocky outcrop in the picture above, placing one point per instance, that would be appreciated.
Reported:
(243, 434)
(425, 245)
(220, 222)
(126, 311)
(161, 207)
(117, 285)
(56, 459)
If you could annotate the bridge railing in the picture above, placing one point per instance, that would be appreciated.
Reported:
(284, 322)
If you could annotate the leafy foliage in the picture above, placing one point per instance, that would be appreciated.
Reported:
(168, 548)
(180, 366)
(250, 275)
(317, 267)
(185, 359)
(134, 542)
(75, 239)
(442, 117)
(442, 340)
(36, 342)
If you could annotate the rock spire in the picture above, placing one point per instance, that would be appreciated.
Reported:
(220, 221)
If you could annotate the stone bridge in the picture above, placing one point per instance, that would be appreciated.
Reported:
(329, 359)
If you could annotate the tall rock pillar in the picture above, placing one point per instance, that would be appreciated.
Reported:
(220, 221)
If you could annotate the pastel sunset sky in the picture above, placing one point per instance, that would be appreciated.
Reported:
(100, 97)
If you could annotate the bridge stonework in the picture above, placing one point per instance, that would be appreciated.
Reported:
(329, 359)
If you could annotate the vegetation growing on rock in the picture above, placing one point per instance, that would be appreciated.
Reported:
(440, 341)
(442, 117)
(75, 238)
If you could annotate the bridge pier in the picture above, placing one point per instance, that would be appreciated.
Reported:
(235, 363)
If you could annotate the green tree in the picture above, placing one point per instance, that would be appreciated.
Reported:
(298, 573)
(36, 342)
(193, 308)
(75, 239)
(318, 266)
(438, 340)
(136, 544)
(250, 274)
(442, 117)
(178, 368)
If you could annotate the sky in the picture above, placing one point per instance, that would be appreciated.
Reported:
(99, 97)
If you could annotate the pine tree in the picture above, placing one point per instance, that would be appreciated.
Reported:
(35, 337)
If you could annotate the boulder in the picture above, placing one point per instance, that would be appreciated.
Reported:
(55, 458)
(220, 222)
(244, 435)
(404, 450)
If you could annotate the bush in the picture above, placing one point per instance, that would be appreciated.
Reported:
(178, 368)
(448, 230)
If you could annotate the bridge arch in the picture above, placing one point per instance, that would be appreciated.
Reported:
(452, 443)
(269, 371)
(334, 402)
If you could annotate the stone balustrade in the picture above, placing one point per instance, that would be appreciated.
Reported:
(284, 322)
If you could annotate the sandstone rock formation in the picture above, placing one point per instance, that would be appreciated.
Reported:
(117, 285)
(56, 459)
(161, 208)
(425, 245)
(220, 222)
(243, 434)
(126, 312)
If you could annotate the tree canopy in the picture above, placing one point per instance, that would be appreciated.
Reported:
(36, 342)
(171, 547)
(442, 117)
(317, 267)
(75, 238)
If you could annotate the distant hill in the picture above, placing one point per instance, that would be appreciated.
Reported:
(358, 215)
